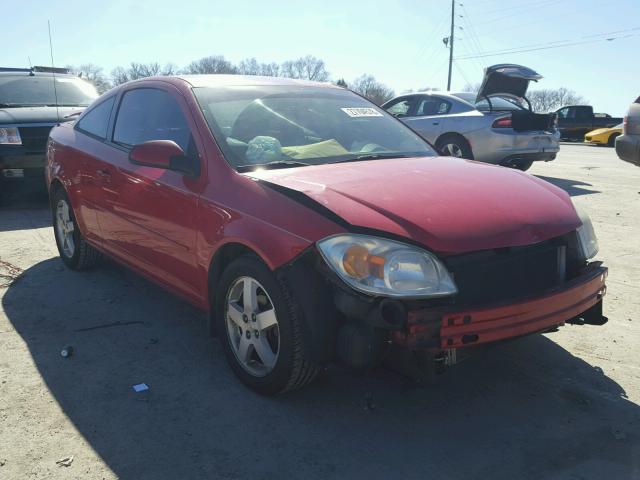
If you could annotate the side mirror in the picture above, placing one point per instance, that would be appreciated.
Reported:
(165, 154)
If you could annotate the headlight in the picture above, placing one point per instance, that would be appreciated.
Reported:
(586, 235)
(10, 136)
(383, 267)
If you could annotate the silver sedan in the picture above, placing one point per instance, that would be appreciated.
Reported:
(491, 126)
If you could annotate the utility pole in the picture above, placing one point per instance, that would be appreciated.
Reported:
(453, 11)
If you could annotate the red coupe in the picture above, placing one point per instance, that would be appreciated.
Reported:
(314, 226)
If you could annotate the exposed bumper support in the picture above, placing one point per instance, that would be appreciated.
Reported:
(455, 328)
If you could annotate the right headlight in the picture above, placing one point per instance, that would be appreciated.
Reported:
(586, 235)
(10, 136)
(378, 266)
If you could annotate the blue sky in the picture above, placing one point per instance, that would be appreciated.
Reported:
(399, 42)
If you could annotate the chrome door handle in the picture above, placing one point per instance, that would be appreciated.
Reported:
(104, 173)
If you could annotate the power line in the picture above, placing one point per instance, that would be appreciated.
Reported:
(548, 47)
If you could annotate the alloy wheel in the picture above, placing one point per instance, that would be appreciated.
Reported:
(452, 150)
(252, 326)
(65, 228)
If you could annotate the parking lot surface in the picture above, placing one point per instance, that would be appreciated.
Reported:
(556, 406)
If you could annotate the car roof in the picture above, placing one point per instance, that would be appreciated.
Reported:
(223, 80)
(16, 73)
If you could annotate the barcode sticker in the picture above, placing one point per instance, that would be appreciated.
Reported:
(361, 112)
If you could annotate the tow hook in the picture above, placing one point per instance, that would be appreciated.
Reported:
(445, 359)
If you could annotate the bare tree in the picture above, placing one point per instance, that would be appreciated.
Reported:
(140, 70)
(93, 74)
(250, 66)
(368, 86)
(306, 68)
(548, 100)
(342, 83)
(211, 64)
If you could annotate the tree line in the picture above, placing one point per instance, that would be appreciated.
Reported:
(546, 99)
(304, 68)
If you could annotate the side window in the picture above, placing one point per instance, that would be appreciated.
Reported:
(567, 112)
(433, 106)
(149, 114)
(96, 121)
(401, 107)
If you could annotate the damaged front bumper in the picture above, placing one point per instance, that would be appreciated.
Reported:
(578, 301)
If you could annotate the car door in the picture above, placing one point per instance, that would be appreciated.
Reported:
(87, 160)
(149, 217)
(428, 116)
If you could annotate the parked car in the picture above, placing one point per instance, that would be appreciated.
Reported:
(312, 225)
(604, 136)
(491, 126)
(30, 106)
(628, 144)
(575, 121)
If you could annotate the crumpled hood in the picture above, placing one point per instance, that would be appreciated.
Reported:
(449, 205)
(19, 115)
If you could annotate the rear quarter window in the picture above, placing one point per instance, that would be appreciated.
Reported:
(96, 121)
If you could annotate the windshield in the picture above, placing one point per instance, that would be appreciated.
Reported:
(497, 103)
(37, 90)
(287, 126)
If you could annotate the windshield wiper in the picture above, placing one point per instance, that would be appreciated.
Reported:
(372, 156)
(271, 165)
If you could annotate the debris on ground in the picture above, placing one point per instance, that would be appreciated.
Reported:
(65, 462)
(8, 274)
(141, 387)
(618, 434)
(66, 351)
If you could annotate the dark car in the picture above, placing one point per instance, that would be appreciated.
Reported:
(313, 225)
(575, 121)
(30, 105)
(628, 144)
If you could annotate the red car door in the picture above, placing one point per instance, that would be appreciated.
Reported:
(149, 215)
(86, 161)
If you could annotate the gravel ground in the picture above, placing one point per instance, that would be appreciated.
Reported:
(557, 406)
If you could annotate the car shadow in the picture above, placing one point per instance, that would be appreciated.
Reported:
(24, 204)
(524, 409)
(574, 188)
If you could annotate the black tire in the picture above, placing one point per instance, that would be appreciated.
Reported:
(523, 165)
(292, 369)
(84, 256)
(612, 139)
(449, 142)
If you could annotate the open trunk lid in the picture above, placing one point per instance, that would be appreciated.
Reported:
(506, 79)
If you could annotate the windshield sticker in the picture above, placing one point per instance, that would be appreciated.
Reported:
(361, 112)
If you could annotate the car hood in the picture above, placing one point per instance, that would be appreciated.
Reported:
(17, 115)
(449, 205)
(600, 131)
(506, 79)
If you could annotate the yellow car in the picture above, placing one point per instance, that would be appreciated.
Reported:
(604, 136)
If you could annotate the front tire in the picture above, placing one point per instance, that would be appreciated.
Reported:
(75, 252)
(612, 139)
(259, 328)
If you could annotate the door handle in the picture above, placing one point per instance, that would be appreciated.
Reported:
(436, 123)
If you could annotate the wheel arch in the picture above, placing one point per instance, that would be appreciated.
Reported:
(455, 135)
(219, 261)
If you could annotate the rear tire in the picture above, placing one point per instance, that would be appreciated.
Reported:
(453, 145)
(285, 365)
(612, 139)
(75, 252)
